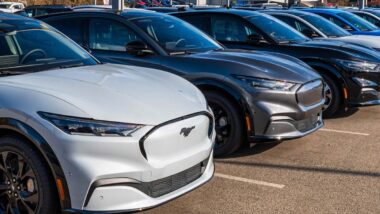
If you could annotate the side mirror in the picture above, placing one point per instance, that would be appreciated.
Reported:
(138, 48)
(254, 39)
(309, 33)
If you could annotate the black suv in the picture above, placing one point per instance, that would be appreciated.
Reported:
(254, 95)
(351, 72)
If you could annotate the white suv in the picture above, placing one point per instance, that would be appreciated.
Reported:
(77, 135)
(11, 7)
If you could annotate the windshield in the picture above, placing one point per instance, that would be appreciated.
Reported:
(358, 22)
(5, 6)
(37, 50)
(276, 29)
(175, 35)
(328, 28)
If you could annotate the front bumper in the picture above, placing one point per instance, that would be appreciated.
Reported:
(287, 115)
(118, 165)
(125, 197)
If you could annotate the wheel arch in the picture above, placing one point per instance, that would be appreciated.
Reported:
(332, 72)
(20, 129)
(235, 95)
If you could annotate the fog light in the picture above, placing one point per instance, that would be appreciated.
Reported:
(364, 82)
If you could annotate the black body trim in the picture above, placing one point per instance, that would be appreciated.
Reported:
(44, 148)
(142, 140)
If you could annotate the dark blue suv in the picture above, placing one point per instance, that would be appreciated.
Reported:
(348, 21)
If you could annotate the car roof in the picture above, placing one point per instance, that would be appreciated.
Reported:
(242, 13)
(324, 10)
(11, 22)
(48, 6)
(292, 12)
(127, 13)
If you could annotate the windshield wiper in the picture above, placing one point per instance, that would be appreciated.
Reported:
(72, 65)
(185, 52)
(287, 42)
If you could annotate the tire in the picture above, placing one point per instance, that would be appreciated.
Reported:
(228, 123)
(332, 95)
(27, 184)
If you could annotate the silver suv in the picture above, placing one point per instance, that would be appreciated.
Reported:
(78, 135)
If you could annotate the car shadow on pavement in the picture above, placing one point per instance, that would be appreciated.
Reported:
(344, 113)
(325, 170)
(248, 151)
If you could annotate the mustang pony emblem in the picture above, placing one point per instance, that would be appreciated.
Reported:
(186, 131)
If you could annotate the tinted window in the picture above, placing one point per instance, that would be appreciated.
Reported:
(276, 29)
(110, 35)
(358, 22)
(369, 18)
(72, 28)
(299, 26)
(29, 12)
(337, 21)
(5, 6)
(33, 48)
(175, 35)
(328, 28)
(201, 22)
(40, 12)
(231, 29)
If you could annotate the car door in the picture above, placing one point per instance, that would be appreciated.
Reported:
(105, 38)
(234, 32)
(108, 39)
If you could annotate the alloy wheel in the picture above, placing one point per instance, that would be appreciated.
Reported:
(18, 184)
(222, 125)
(328, 97)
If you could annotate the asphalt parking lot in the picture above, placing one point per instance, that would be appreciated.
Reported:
(335, 170)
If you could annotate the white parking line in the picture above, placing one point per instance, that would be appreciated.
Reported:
(263, 183)
(345, 132)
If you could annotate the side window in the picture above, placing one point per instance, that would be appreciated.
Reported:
(288, 20)
(370, 19)
(17, 7)
(299, 26)
(8, 52)
(230, 29)
(71, 27)
(201, 22)
(40, 12)
(29, 12)
(110, 35)
(337, 22)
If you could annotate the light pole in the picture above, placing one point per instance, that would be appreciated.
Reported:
(362, 4)
(117, 4)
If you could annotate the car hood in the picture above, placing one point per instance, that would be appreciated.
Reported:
(261, 64)
(116, 92)
(364, 40)
(352, 51)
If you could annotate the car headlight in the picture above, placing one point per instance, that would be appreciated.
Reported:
(89, 127)
(276, 85)
(360, 66)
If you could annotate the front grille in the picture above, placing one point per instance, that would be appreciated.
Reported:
(310, 93)
(169, 184)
